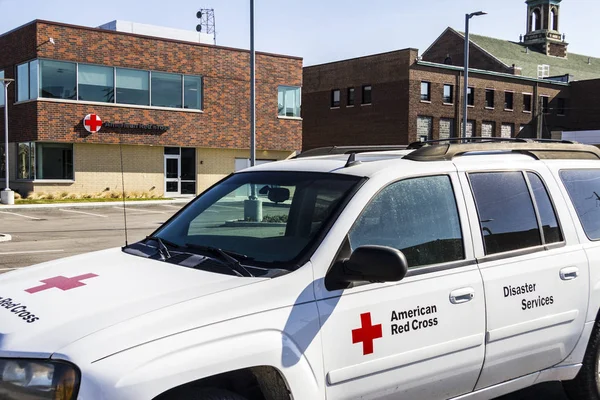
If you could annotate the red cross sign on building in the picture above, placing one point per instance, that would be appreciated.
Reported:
(367, 333)
(61, 282)
(92, 123)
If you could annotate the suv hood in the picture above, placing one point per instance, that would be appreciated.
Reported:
(45, 307)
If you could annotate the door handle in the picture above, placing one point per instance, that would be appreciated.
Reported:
(463, 295)
(569, 273)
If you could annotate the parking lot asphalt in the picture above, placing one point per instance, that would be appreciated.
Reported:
(40, 235)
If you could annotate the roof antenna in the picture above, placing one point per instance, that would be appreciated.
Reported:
(123, 190)
(351, 161)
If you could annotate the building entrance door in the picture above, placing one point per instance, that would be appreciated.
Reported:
(172, 175)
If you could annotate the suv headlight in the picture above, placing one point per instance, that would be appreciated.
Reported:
(37, 379)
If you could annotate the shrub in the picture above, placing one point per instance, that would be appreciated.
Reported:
(275, 218)
(17, 196)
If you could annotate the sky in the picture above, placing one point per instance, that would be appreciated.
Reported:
(319, 30)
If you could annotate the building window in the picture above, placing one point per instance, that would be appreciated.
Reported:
(425, 91)
(192, 92)
(1, 88)
(166, 90)
(561, 107)
(96, 83)
(58, 80)
(54, 161)
(27, 81)
(489, 98)
(335, 98)
(424, 128)
(288, 101)
(544, 100)
(508, 100)
(527, 102)
(448, 94)
(350, 96)
(133, 87)
(446, 128)
(25, 160)
(543, 71)
(487, 129)
(366, 94)
(507, 130)
(470, 96)
(470, 129)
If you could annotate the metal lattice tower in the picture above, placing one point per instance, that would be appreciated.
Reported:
(207, 22)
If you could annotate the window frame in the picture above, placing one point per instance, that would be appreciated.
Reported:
(466, 234)
(362, 95)
(493, 92)
(512, 100)
(471, 96)
(348, 91)
(530, 106)
(428, 99)
(16, 83)
(526, 250)
(561, 109)
(451, 87)
(279, 87)
(332, 102)
(545, 109)
(37, 145)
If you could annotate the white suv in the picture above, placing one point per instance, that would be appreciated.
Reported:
(443, 271)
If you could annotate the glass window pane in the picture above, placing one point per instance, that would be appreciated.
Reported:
(188, 164)
(366, 94)
(425, 96)
(166, 90)
(288, 101)
(132, 87)
(24, 161)
(506, 213)
(416, 216)
(552, 233)
(54, 161)
(23, 82)
(58, 80)
(188, 187)
(1, 89)
(33, 79)
(96, 83)
(193, 92)
(584, 189)
(470, 96)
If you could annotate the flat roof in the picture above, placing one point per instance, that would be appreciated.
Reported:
(110, 32)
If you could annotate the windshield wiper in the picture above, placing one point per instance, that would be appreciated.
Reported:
(162, 248)
(226, 256)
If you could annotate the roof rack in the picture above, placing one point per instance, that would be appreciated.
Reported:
(331, 150)
(447, 149)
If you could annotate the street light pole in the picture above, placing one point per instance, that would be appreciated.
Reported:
(7, 196)
(252, 89)
(466, 73)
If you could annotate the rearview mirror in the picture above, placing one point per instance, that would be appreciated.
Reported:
(279, 195)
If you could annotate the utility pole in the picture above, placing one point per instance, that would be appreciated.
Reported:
(7, 196)
(466, 73)
(252, 89)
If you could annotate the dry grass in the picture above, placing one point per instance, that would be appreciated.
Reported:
(105, 194)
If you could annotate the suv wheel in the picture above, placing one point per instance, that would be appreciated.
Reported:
(216, 394)
(586, 385)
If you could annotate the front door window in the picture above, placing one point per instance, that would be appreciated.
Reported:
(172, 174)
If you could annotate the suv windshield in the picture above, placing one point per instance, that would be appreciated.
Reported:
(265, 218)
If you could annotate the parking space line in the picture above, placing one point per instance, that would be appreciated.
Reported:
(21, 215)
(170, 205)
(83, 212)
(220, 205)
(140, 211)
(30, 252)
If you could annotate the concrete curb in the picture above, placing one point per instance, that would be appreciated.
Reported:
(94, 205)
(5, 237)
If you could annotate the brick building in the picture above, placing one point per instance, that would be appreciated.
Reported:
(178, 110)
(530, 88)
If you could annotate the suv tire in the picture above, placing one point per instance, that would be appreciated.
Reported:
(586, 385)
(216, 394)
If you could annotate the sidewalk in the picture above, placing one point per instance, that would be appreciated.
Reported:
(180, 201)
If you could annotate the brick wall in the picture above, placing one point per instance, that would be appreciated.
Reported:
(452, 44)
(223, 123)
(384, 121)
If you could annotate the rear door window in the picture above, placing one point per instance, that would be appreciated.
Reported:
(583, 187)
(550, 226)
(506, 214)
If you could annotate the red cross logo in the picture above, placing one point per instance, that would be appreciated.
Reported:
(61, 282)
(367, 333)
(92, 123)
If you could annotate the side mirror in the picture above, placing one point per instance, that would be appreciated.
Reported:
(375, 264)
